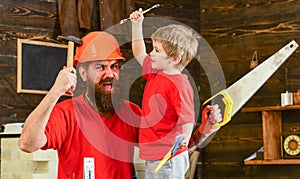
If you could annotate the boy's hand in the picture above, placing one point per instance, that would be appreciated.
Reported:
(137, 16)
(210, 116)
(184, 141)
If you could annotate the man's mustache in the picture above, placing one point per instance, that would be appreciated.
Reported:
(106, 80)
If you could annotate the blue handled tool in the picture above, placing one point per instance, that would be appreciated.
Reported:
(170, 153)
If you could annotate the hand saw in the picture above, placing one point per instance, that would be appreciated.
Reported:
(171, 152)
(230, 100)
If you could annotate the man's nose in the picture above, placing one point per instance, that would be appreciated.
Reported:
(109, 73)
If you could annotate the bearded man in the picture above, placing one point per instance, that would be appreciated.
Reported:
(97, 128)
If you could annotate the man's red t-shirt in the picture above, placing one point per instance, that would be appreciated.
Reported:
(77, 131)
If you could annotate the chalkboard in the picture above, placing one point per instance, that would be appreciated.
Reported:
(38, 64)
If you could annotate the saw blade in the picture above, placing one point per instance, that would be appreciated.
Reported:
(242, 90)
(231, 100)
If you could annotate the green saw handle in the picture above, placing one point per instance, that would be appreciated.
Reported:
(225, 104)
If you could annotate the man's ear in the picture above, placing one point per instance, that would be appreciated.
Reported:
(177, 59)
(82, 72)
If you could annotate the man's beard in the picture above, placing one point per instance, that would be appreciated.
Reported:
(107, 102)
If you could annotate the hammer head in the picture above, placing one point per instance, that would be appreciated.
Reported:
(71, 38)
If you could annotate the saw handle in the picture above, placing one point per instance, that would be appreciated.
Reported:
(225, 105)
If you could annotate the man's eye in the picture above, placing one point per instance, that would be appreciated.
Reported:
(116, 66)
(100, 67)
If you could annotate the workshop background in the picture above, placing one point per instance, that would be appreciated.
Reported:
(234, 29)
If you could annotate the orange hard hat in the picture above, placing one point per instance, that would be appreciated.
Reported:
(98, 45)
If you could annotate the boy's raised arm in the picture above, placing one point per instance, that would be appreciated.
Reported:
(138, 44)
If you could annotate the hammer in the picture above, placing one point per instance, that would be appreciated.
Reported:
(71, 41)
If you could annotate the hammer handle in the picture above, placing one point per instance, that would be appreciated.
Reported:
(70, 56)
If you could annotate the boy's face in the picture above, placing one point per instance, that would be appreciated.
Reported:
(160, 59)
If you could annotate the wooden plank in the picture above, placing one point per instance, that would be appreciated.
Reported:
(208, 171)
(273, 162)
(245, 11)
(186, 12)
(30, 14)
(271, 108)
(272, 127)
(237, 141)
(10, 34)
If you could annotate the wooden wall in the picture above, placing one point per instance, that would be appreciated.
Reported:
(234, 30)
(21, 19)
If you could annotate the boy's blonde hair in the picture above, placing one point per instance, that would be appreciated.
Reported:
(178, 40)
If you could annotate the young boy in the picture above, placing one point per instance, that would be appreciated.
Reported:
(167, 105)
